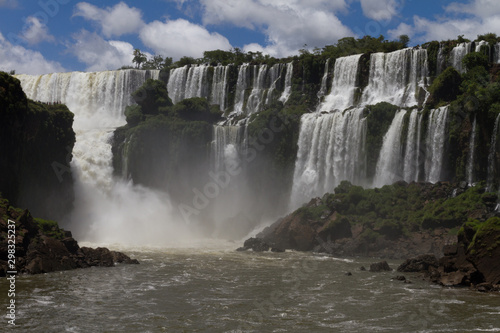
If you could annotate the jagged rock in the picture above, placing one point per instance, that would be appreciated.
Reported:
(122, 258)
(380, 267)
(362, 268)
(399, 278)
(348, 274)
(256, 244)
(419, 264)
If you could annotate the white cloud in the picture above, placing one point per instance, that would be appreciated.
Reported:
(380, 10)
(36, 31)
(24, 61)
(177, 38)
(481, 16)
(99, 54)
(113, 21)
(287, 24)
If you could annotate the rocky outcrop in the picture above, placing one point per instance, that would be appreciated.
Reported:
(396, 222)
(472, 261)
(42, 247)
(382, 266)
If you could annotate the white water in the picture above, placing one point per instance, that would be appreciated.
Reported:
(492, 155)
(241, 87)
(256, 98)
(324, 81)
(441, 60)
(107, 209)
(435, 142)
(457, 54)
(331, 149)
(219, 87)
(390, 164)
(187, 82)
(343, 85)
(395, 77)
(288, 83)
(470, 156)
(412, 150)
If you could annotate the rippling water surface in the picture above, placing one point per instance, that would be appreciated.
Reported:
(215, 289)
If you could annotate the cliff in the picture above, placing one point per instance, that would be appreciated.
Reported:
(36, 143)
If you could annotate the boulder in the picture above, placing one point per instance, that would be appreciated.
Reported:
(419, 264)
(382, 266)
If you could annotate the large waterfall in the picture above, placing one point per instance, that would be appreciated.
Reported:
(331, 149)
(107, 210)
(457, 55)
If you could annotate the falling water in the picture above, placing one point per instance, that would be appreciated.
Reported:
(107, 210)
(441, 60)
(219, 87)
(288, 83)
(492, 155)
(331, 149)
(343, 85)
(435, 142)
(470, 157)
(256, 97)
(395, 77)
(324, 81)
(241, 87)
(457, 54)
(389, 165)
(412, 150)
(274, 77)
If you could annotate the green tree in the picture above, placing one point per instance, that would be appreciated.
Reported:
(404, 40)
(152, 97)
(139, 58)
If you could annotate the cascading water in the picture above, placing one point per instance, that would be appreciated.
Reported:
(395, 77)
(107, 210)
(343, 85)
(331, 148)
(412, 150)
(288, 83)
(324, 81)
(470, 157)
(492, 156)
(435, 142)
(188, 82)
(457, 54)
(441, 60)
(219, 87)
(256, 98)
(241, 87)
(274, 76)
(389, 166)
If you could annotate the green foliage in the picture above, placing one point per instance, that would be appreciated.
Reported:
(475, 59)
(133, 115)
(152, 97)
(445, 87)
(49, 228)
(196, 109)
(491, 38)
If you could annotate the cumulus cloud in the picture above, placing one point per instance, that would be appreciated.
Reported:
(24, 61)
(36, 31)
(177, 38)
(481, 16)
(99, 54)
(288, 25)
(113, 21)
(380, 10)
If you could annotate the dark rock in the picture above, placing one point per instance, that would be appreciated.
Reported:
(399, 278)
(256, 244)
(122, 258)
(348, 274)
(362, 268)
(484, 287)
(380, 267)
(277, 249)
(419, 264)
(98, 257)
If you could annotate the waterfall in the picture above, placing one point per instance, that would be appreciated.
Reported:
(470, 157)
(412, 156)
(441, 60)
(219, 87)
(255, 100)
(435, 142)
(107, 209)
(496, 53)
(389, 166)
(331, 149)
(324, 81)
(343, 85)
(226, 145)
(492, 155)
(188, 82)
(395, 77)
(288, 83)
(241, 87)
(457, 54)
(274, 77)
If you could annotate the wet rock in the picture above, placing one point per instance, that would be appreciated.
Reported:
(399, 278)
(419, 264)
(348, 274)
(256, 244)
(362, 268)
(380, 267)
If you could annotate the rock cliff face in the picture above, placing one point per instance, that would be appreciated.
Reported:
(36, 141)
(42, 247)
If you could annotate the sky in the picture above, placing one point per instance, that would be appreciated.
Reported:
(45, 36)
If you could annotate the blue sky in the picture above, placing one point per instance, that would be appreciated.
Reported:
(43, 36)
